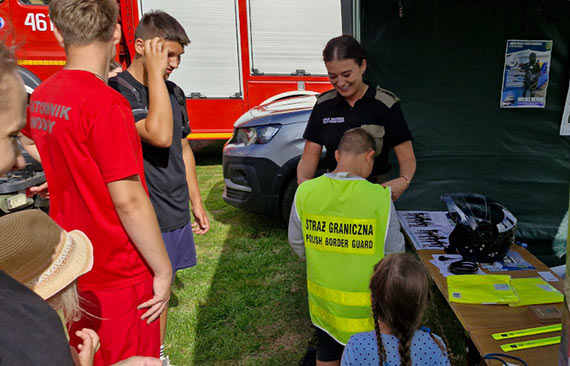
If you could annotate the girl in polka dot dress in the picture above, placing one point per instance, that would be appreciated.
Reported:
(399, 289)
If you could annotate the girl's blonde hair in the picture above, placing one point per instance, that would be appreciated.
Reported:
(67, 300)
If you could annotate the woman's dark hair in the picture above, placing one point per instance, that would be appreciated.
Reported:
(400, 290)
(343, 48)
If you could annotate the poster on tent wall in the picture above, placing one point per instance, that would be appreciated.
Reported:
(565, 125)
(525, 76)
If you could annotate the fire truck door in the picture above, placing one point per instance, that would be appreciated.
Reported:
(31, 21)
(6, 31)
(33, 31)
(210, 67)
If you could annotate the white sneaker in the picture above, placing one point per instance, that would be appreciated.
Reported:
(166, 361)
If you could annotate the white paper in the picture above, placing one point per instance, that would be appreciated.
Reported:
(427, 229)
(565, 125)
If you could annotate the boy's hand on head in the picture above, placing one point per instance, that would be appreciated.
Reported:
(155, 58)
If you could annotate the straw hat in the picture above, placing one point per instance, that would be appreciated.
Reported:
(41, 255)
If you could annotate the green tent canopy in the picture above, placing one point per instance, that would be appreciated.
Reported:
(445, 60)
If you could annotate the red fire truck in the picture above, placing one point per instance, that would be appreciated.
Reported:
(243, 52)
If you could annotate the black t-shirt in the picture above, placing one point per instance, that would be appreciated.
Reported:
(31, 331)
(164, 167)
(332, 116)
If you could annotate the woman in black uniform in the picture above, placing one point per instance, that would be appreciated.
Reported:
(353, 103)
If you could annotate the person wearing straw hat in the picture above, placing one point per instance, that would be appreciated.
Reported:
(38, 253)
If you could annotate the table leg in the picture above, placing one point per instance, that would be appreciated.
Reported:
(472, 357)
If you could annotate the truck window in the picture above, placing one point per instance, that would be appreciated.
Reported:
(33, 2)
(211, 65)
(287, 36)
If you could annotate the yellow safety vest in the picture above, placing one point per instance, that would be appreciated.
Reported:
(344, 223)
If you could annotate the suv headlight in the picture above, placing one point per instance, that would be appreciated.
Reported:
(256, 135)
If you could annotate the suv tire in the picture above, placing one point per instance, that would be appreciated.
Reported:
(287, 198)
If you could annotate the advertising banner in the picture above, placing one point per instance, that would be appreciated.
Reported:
(525, 76)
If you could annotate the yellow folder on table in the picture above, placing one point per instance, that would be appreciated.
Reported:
(481, 289)
(534, 291)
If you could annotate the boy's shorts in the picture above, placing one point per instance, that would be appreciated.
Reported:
(118, 323)
(180, 247)
(328, 349)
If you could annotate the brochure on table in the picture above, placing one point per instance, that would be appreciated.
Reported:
(427, 229)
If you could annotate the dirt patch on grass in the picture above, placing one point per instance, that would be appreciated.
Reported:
(286, 342)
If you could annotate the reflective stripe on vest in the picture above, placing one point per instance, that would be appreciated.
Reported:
(339, 297)
(344, 223)
(347, 325)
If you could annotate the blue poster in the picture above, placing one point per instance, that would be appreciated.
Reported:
(525, 77)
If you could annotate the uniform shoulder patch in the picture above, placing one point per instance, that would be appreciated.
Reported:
(386, 97)
(328, 95)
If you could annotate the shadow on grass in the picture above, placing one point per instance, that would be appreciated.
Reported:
(255, 312)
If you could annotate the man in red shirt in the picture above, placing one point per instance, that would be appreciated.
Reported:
(91, 153)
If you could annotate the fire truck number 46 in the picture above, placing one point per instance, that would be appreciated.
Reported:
(38, 22)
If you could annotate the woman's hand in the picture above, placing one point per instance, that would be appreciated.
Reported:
(398, 186)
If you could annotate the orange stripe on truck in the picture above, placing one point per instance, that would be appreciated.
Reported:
(41, 62)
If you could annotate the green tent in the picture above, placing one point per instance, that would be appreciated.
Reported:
(445, 60)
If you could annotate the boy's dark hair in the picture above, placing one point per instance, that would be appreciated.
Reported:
(356, 141)
(160, 24)
(85, 21)
(343, 48)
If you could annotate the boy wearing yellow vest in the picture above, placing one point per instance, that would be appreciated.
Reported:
(344, 225)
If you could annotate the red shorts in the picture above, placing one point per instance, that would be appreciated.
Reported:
(117, 322)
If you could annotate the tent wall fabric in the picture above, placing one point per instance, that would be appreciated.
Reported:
(445, 60)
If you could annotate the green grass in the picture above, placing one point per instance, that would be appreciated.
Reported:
(245, 303)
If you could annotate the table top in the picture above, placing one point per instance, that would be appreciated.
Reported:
(480, 321)
(543, 356)
(502, 317)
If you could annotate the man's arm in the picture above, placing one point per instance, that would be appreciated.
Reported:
(156, 128)
(201, 224)
(309, 161)
(395, 242)
(295, 232)
(139, 220)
